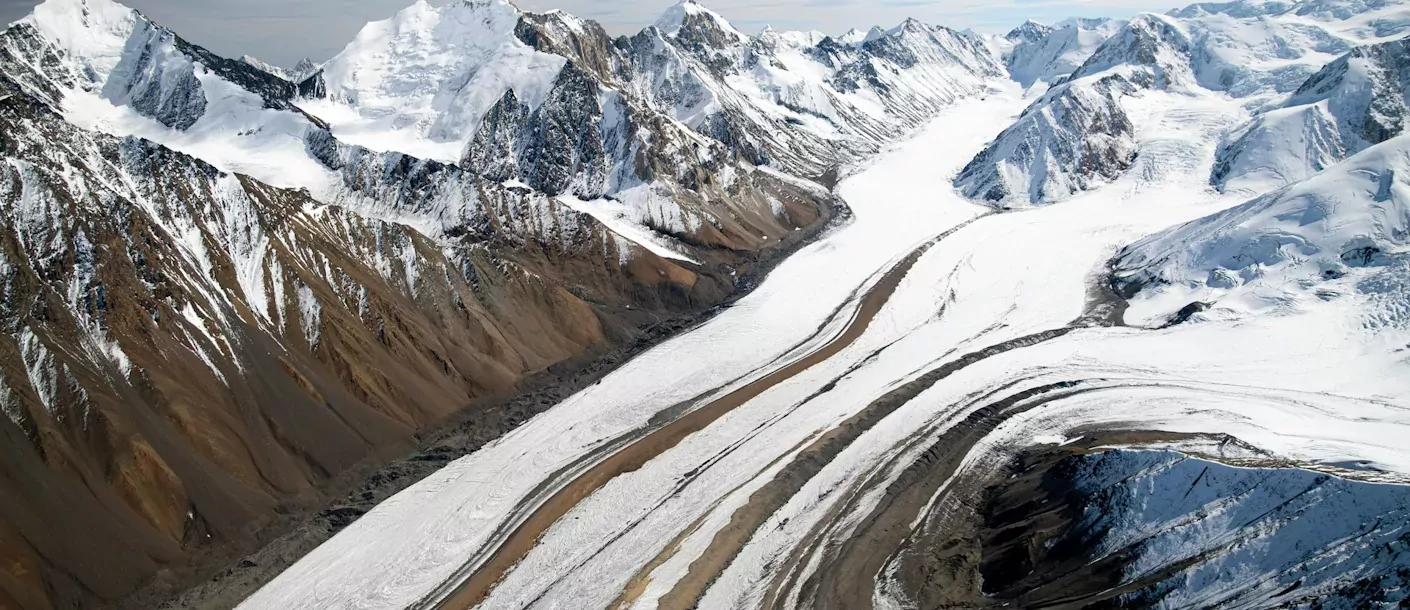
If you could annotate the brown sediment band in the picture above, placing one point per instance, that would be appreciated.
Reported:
(518, 544)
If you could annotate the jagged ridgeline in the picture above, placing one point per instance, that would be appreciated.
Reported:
(224, 283)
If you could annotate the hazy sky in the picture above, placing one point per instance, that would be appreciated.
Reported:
(283, 31)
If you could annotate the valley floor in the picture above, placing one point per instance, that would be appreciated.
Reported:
(858, 411)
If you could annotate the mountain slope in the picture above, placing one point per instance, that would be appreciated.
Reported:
(419, 82)
(1160, 529)
(1047, 54)
(797, 101)
(807, 108)
(194, 348)
(1339, 236)
(254, 127)
(1357, 101)
(225, 285)
(1078, 134)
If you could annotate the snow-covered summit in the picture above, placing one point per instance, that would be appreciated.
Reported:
(1088, 23)
(1237, 8)
(419, 81)
(1078, 135)
(1147, 40)
(794, 38)
(104, 64)
(304, 69)
(1043, 53)
(95, 31)
(267, 67)
(689, 15)
(853, 37)
(1028, 31)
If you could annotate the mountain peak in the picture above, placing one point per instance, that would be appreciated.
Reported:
(910, 25)
(1083, 23)
(305, 65)
(84, 24)
(688, 12)
(857, 37)
(1149, 40)
(266, 67)
(1030, 31)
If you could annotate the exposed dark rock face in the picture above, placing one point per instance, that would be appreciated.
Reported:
(313, 86)
(494, 152)
(275, 91)
(1081, 526)
(562, 140)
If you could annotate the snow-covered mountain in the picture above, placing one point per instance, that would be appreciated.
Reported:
(254, 277)
(1046, 54)
(1338, 236)
(213, 305)
(427, 75)
(259, 125)
(855, 37)
(1354, 102)
(1079, 136)
(1197, 533)
(268, 67)
(302, 70)
(793, 99)
(194, 345)
(70, 52)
